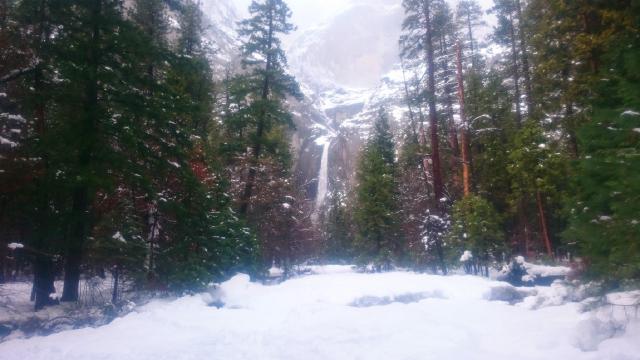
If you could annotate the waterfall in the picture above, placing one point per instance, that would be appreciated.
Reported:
(323, 176)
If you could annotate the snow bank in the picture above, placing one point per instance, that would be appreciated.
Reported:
(545, 270)
(14, 246)
(318, 317)
(519, 272)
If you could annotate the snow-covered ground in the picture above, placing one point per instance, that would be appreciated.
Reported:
(339, 314)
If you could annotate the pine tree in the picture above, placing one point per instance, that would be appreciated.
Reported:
(413, 199)
(419, 41)
(506, 33)
(29, 80)
(339, 231)
(469, 15)
(477, 227)
(604, 221)
(537, 169)
(377, 239)
(267, 83)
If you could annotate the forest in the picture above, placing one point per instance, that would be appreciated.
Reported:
(128, 152)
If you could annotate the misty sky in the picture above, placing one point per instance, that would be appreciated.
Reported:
(349, 49)
(307, 13)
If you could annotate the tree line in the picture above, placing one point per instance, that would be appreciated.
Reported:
(123, 152)
(533, 151)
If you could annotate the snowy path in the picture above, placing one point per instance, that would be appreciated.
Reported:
(314, 318)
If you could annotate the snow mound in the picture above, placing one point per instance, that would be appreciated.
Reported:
(545, 270)
(14, 246)
(590, 333)
(519, 272)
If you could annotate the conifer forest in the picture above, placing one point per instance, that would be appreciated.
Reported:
(307, 179)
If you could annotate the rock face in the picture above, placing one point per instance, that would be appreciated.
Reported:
(348, 68)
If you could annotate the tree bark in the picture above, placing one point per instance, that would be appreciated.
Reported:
(524, 226)
(116, 283)
(516, 72)
(466, 160)
(543, 224)
(526, 71)
(470, 30)
(43, 277)
(454, 145)
(409, 100)
(438, 187)
(81, 194)
(43, 281)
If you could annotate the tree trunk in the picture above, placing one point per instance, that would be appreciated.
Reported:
(466, 160)
(569, 121)
(543, 225)
(526, 71)
(43, 277)
(525, 238)
(409, 101)
(116, 283)
(81, 195)
(516, 72)
(454, 145)
(470, 30)
(438, 188)
(43, 281)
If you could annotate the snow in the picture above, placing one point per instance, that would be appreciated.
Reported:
(13, 117)
(466, 256)
(543, 270)
(5, 141)
(630, 298)
(340, 314)
(14, 246)
(630, 113)
(275, 272)
(118, 236)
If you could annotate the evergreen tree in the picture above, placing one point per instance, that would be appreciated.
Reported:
(419, 41)
(267, 84)
(469, 15)
(604, 221)
(377, 239)
(29, 69)
(537, 170)
(339, 232)
(476, 227)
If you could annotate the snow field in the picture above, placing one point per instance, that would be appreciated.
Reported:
(339, 314)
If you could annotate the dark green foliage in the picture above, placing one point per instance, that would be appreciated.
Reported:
(535, 165)
(605, 221)
(119, 119)
(476, 226)
(377, 239)
(339, 230)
